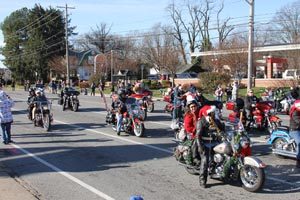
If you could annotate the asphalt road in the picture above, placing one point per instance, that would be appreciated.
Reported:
(83, 158)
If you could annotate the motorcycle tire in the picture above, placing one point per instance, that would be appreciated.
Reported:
(75, 107)
(139, 129)
(46, 122)
(150, 108)
(252, 178)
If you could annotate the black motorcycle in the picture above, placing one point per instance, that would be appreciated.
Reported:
(69, 100)
(42, 115)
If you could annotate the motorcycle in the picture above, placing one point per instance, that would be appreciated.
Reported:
(282, 143)
(141, 102)
(72, 101)
(285, 104)
(42, 115)
(132, 122)
(263, 116)
(147, 99)
(231, 151)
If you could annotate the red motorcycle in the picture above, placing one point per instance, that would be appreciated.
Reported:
(264, 117)
(132, 122)
(170, 105)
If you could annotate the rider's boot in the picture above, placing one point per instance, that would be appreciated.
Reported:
(202, 181)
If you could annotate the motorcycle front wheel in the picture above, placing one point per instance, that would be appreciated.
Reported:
(46, 122)
(252, 178)
(139, 129)
(150, 107)
(75, 107)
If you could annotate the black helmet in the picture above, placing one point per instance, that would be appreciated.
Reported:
(240, 103)
(121, 91)
(199, 90)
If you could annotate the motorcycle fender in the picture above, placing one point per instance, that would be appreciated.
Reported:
(253, 161)
(274, 119)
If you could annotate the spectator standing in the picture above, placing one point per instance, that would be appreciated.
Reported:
(13, 85)
(219, 93)
(93, 87)
(228, 91)
(6, 103)
(235, 89)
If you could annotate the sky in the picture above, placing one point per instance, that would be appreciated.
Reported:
(129, 15)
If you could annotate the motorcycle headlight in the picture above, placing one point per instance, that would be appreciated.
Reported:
(149, 96)
(272, 111)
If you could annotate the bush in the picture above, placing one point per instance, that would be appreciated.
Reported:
(165, 83)
(147, 82)
(209, 81)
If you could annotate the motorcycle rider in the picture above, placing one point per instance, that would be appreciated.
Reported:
(190, 122)
(278, 97)
(65, 95)
(121, 108)
(295, 128)
(200, 98)
(250, 102)
(208, 121)
(38, 98)
(30, 100)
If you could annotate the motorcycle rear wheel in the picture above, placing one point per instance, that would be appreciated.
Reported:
(46, 122)
(139, 129)
(278, 144)
(252, 178)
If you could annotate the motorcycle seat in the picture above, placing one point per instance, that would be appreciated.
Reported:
(283, 128)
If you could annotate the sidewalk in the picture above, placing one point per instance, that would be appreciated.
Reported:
(12, 188)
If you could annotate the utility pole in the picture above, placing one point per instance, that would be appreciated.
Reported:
(67, 42)
(250, 43)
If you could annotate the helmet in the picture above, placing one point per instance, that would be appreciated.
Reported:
(121, 91)
(240, 103)
(180, 87)
(190, 98)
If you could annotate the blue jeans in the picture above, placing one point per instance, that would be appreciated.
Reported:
(6, 132)
(119, 121)
(296, 136)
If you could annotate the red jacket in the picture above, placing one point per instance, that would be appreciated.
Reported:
(190, 123)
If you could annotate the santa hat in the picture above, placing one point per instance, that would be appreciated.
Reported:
(205, 111)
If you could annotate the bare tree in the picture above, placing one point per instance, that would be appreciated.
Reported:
(223, 28)
(286, 23)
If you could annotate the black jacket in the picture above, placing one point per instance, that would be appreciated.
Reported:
(249, 100)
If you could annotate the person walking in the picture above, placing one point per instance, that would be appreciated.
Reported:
(6, 103)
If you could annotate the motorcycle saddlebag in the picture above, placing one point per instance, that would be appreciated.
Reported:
(167, 98)
(230, 105)
(60, 101)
